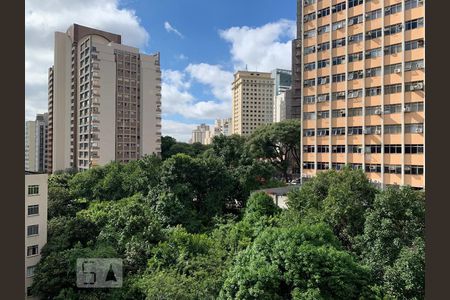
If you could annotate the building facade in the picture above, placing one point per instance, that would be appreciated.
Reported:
(36, 144)
(252, 104)
(363, 88)
(201, 134)
(282, 80)
(293, 108)
(35, 224)
(104, 100)
(279, 108)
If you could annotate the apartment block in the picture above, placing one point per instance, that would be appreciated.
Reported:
(104, 100)
(35, 224)
(222, 127)
(201, 134)
(36, 144)
(252, 104)
(363, 88)
(282, 80)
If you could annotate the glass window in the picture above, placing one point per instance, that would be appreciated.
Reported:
(338, 7)
(338, 131)
(373, 34)
(374, 14)
(393, 169)
(392, 129)
(355, 20)
(393, 149)
(372, 53)
(32, 250)
(415, 44)
(414, 128)
(339, 78)
(355, 57)
(414, 86)
(392, 89)
(33, 189)
(373, 72)
(30, 271)
(354, 112)
(413, 24)
(323, 29)
(33, 210)
(352, 3)
(373, 168)
(392, 49)
(32, 230)
(393, 9)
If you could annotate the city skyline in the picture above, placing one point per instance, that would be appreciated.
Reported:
(189, 96)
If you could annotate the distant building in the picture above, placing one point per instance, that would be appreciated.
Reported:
(279, 108)
(104, 100)
(283, 80)
(201, 134)
(35, 224)
(36, 144)
(279, 195)
(252, 104)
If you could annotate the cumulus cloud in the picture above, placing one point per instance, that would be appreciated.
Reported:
(213, 76)
(43, 18)
(169, 28)
(261, 48)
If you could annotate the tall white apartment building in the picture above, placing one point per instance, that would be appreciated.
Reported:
(104, 100)
(35, 224)
(201, 134)
(252, 101)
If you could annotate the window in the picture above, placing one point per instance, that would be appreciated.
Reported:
(33, 190)
(352, 3)
(309, 2)
(307, 165)
(310, 66)
(355, 130)
(356, 166)
(413, 24)
(323, 166)
(393, 29)
(30, 271)
(392, 89)
(309, 34)
(414, 107)
(338, 60)
(33, 230)
(372, 149)
(414, 128)
(372, 129)
(323, 63)
(409, 4)
(309, 50)
(338, 96)
(33, 210)
(323, 47)
(393, 69)
(309, 17)
(355, 38)
(392, 49)
(338, 43)
(411, 45)
(374, 14)
(393, 149)
(373, 110)
(338, 113)
(338, 78)
(309, 99)
(323, 12)
(355, 57)
(32, 250)
(309, 115)
(323, 132)
(393, 9)
(352, 94)
(392, 129)
(308, 132)
(323, 80)
(414, 65)
(414, 149)
(309, 82)
(355, 75)
(338, 25)
(414, 86)
(308, 149)
(414, 170)
(338, 7)
(373, 34)
(337, 166)
(338, 131)
(373, 168)
(372, 53)
(373, 72)
(323, 97)
(338, 149)
(355, 112)
(355, 20)
(392, 109)
(324, 114)
(323, 29)
(323, 149)
(354, 149)
(393, 169)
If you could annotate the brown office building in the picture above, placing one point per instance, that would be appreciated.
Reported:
(104, 101)
(363, 88)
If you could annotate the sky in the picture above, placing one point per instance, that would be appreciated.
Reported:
(201, 42)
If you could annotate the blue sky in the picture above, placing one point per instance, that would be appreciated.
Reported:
(201, 43)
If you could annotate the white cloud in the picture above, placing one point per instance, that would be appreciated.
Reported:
(181, 57)
(43, 18)
(261, 48)
(213, 76)
(182, 132)
(169, 28)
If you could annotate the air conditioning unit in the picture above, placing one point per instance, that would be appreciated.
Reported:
(407, 109)
(391, 168)
(378, 111)
(397, 70)
(378, 131)
(365, 131)
(419, 130)
(418, 86)
(373, 168)
(407, 168)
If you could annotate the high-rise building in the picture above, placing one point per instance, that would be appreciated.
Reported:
(104, 100)
(252, 103)
(35, 224)
(36, 144)
(201, 134)
(222, 126)
(282, 80)
(294, 97)
(363, 88)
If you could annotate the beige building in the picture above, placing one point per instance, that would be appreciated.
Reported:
(201, 134)
(35, 224)
(252, 103)
(104, 100)
(363, 88)
(36, 144)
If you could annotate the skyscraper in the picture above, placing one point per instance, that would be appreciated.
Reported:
(36, 144)
(104, 100)
(252, 104)
(363, 88)
(201, 134)
(282, 80)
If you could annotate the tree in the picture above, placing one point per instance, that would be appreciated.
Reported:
(166, 143)
(278, 143)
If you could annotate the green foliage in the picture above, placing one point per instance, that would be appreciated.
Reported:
(170, 147)
(260, 204)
